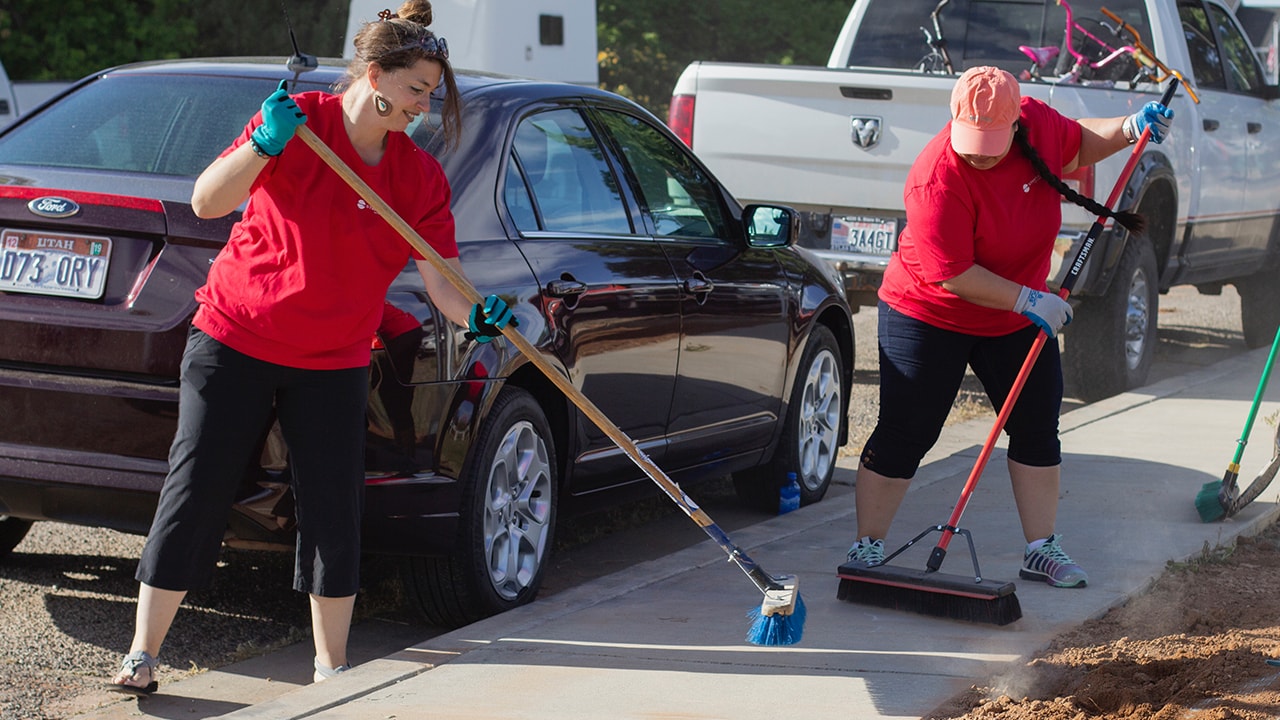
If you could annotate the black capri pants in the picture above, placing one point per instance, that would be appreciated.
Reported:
(224, 405)
(921, 369)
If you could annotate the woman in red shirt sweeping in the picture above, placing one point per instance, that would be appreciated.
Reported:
(284, 323)
(966, 289)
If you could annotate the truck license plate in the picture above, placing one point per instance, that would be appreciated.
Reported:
(869, 236)
(47, 263)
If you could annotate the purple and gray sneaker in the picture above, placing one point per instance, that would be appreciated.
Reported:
(1050, 564)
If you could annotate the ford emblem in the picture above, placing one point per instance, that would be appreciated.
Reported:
(865, 131)
(53, 207)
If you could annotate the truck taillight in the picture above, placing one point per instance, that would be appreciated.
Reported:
(1081, 181)
(680, 118)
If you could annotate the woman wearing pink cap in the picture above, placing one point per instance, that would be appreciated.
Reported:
(966, 288)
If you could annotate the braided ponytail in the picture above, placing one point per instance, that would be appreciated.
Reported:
(1131, 221)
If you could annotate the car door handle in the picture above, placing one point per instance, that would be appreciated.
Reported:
(1254, 127)
(699, 285)
(1210, 125)
(566, 287)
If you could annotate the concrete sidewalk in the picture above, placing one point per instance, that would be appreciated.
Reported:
(666, 638)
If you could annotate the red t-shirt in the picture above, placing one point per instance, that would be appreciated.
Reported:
(303, 278)
(1004, 219)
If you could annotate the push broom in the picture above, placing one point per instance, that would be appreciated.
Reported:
(780, 618)
(1222, 498)
(962, 597)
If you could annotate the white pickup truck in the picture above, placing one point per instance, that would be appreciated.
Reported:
(836, 142)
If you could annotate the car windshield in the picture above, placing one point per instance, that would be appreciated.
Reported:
(148, 123)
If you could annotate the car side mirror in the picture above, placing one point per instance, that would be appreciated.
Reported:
(769, 225)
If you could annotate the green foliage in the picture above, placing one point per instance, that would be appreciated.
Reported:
(646, 44)
(67, 40)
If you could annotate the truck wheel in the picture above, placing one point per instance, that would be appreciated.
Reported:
(507, 521)
(810, 439)
(12, 530)
(1259, 307)
(1111, 341)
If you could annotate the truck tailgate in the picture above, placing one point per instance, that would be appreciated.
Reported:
(808, 126)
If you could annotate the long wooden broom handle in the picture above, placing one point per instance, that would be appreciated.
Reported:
(513, 336)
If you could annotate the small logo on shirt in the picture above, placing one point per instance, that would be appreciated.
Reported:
(362, 205)
(1026, 187)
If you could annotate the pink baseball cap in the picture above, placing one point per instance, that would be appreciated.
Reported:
(984, 106)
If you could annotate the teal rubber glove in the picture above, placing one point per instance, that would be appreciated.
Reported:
(488, 319)
(280, 118)
(1047, 310)
(1152, 115)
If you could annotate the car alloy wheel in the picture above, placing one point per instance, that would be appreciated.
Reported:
(506, 520)
(518, 510)
(819, 422)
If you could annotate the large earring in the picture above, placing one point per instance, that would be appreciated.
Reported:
(381, 106)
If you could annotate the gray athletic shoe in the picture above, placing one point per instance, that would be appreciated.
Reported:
(1050, 564)
(866, 552)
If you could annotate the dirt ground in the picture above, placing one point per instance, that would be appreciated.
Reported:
(1194, 646)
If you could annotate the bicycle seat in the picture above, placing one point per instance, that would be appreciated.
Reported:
(1039, 55)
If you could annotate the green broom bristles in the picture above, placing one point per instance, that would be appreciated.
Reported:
(1207, 503)
(1215, 498)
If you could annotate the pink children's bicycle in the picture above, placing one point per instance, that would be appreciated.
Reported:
(1103, 59)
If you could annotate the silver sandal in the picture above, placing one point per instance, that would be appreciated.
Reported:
(130, 665)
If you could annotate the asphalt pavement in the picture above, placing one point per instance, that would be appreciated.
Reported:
(666, 638)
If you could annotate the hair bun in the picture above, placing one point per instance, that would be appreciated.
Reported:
(418, 11)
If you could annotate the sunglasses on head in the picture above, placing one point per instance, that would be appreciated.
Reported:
(434, 47)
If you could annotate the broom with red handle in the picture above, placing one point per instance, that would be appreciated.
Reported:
(780, 618)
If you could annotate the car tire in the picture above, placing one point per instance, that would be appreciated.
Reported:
(1111, 341)
(507, 522)
(1259, 308)
(810, 442)
(12, 530)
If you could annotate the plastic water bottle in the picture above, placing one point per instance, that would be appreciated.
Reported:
(789, 495)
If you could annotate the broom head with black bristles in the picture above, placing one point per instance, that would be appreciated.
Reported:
(930, 592)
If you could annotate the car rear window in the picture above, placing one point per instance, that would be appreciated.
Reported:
(894, 33)
(155, 124)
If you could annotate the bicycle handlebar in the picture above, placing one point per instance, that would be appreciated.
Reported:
(1146, 56)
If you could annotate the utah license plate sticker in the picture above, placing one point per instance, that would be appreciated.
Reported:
(47, 263)
(869, 236)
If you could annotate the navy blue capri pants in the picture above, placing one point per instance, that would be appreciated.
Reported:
(921, 369)
(224, 405)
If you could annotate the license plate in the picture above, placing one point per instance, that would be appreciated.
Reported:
(870, 236)
(46, 263)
